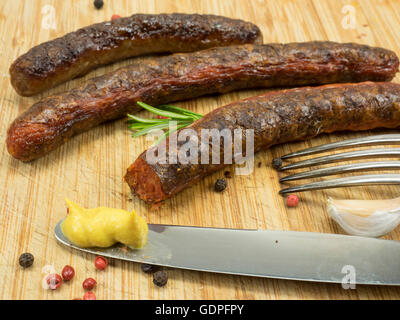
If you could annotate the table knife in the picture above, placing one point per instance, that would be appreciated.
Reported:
(306, 256)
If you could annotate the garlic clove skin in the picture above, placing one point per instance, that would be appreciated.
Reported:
(367, 218)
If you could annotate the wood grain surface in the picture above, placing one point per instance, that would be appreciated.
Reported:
(89, 168)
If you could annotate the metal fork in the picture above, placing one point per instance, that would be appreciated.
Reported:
(371, 179)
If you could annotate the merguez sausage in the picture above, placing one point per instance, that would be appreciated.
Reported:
(276, 117)
(76, 53)
(53, 120)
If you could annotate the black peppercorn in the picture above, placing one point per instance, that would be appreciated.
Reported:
(98, 4)
(149, 268)
(277, 163)
(160, 278)
(220, 185)
(26, 260)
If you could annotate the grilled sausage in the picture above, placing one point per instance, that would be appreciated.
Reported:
(76, 53)
(53, 120)
(276, 117)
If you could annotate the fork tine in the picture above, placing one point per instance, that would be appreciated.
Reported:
(371, 179)
(342, 169)
(343, 156)
(383, 138)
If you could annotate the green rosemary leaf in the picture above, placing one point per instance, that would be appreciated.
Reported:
(150, 128)
(179, 126)
(140, 126)
(144, 124)
(163, 113)
(180, 116)
(142, 120)
(181, 110)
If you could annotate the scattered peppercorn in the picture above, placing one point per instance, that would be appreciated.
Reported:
(149, 268)
(89, 295)
(89, 284)
(54, 281)
(98, 4)
(160, 278)
(292, 200)
(259, 164)
(227, 174)
(68, 273)
(220, 185)
(115, 16)
(277, 163)
(100, 263)
(26, 260)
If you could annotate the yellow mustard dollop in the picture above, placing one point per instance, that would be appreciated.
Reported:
(103, 227)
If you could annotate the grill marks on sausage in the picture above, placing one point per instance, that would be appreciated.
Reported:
(277, 117)
(76, 53)
(53, 120)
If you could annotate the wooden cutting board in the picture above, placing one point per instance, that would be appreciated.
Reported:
(89, 169)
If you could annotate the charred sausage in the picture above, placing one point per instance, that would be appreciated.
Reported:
(76, 53)
(276, 117)
(53, 120)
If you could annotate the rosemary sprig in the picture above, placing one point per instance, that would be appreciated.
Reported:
(180, 116)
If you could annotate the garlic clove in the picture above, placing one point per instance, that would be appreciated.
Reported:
(368, 218)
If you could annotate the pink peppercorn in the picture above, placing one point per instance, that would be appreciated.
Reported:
(292, 200)
(68, 273)
(54, 281)
(89, 296)
(89, 284)
(100, 263)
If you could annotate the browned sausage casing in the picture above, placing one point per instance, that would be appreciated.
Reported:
(276, 117)
(76, 53)
(53, 120)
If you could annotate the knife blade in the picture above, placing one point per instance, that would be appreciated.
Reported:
(291, 255)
